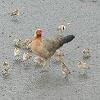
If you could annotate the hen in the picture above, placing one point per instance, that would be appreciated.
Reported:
(46, 48)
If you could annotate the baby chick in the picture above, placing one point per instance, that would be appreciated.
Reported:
(86, 53)
(58, 56)
(38, 61)
(83, 67)
(26, 56)
(61, 28)
(16, 54)
(64, 69)
(18, 43)
(5, 68)
(15, 13)
(26, 43)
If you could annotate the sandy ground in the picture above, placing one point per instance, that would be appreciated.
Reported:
(25, 82)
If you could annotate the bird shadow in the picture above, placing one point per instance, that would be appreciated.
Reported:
(47, 80)
(83, 76)
(15, 20)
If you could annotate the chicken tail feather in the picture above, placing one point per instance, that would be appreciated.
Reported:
(68, 38)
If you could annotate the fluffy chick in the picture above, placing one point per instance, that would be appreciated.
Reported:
(38, 61)
(86, 53)
(26, 56)
(18, 42)
(61, 28)
(64, 69)
(26, 43)
(83, 67)
(5, 68)
(17, 53)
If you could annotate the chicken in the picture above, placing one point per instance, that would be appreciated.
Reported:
(83, 67)
(17, 53)
(18, 42)
(64, 69)
(22, 43)
(38, 61)
(86, 53)
(5, 68)
(46, 48)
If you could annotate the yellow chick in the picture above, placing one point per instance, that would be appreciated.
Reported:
(15, 13)
(82, 66)
(61, 28)
(26, 43)
(16, 53)
(38, 61)
(18, 42)
(86, 53)
(26, 56)
(64, 69)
